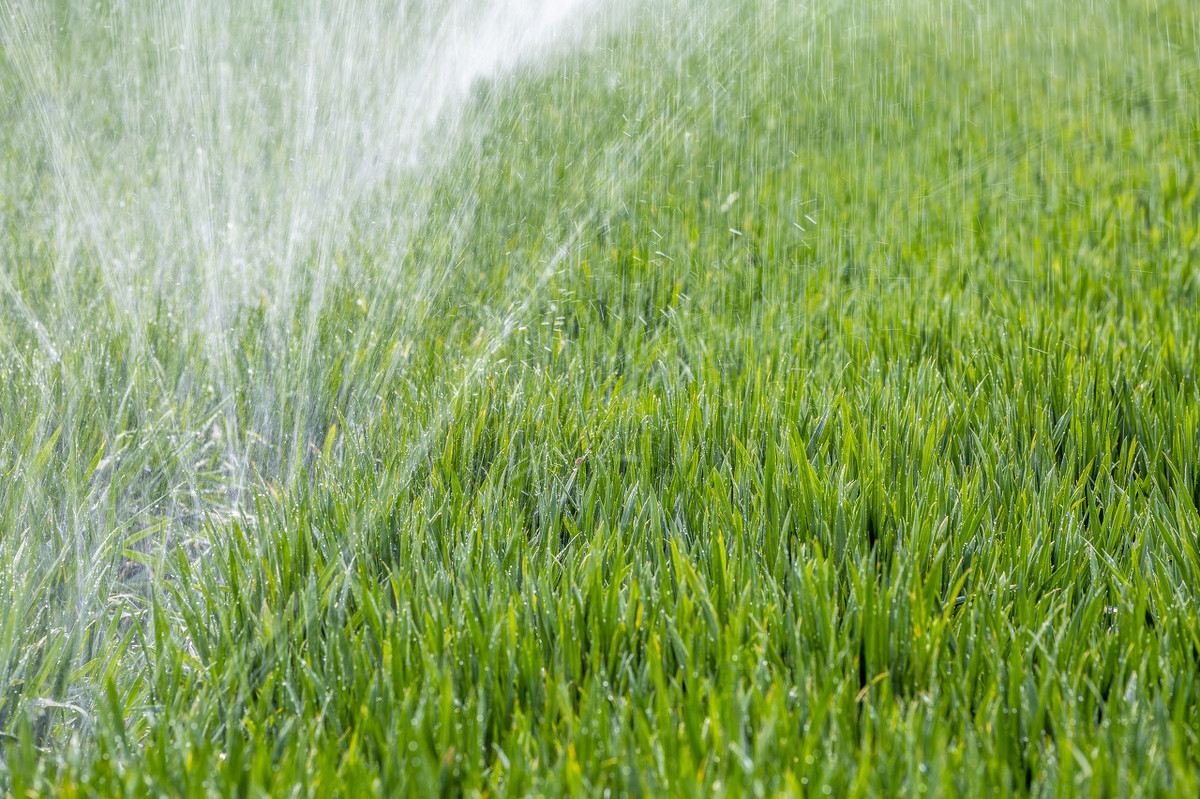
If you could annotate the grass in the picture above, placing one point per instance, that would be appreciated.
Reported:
(753, 400)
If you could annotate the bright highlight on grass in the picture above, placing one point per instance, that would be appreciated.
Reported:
(685, 398)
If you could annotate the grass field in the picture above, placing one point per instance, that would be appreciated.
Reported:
(723, 398)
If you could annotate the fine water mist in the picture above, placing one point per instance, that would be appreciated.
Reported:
(208, 168)
(203, 175)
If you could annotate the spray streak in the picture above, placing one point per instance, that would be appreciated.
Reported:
(254, 135)
(218, 155)
(208, 163)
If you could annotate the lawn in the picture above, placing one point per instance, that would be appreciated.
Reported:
(680, 397)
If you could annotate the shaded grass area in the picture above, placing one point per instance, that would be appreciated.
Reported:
(782, 402)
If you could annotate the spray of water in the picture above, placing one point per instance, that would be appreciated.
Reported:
(215, 156)
(204, 169)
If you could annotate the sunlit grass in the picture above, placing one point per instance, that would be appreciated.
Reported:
(755, 400)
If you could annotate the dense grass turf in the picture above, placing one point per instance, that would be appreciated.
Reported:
(753, 400)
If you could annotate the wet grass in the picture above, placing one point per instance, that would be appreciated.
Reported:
(777, 402)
